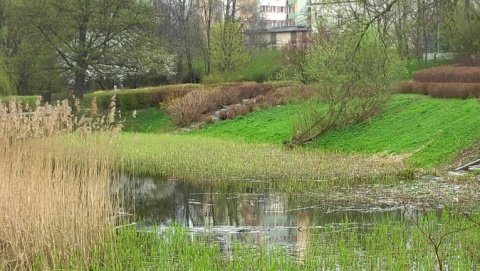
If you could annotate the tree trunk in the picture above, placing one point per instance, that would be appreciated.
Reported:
(466, 12)
(82, 54)
(79, 86)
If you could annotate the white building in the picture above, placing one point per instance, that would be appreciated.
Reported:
(279, 13)
(274, 12)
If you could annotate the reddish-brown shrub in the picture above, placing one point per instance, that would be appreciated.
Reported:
(405, 87)
(454, 90)
(193, 106)
(419, 88)
(189, 108)
(448, 74)
(236, 110)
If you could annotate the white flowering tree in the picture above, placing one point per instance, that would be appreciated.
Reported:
(88, 35)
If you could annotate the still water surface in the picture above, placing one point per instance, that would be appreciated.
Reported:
(258, 214)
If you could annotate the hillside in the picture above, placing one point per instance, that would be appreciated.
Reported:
(430, 131)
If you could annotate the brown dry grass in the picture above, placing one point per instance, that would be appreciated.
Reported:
(54, 186)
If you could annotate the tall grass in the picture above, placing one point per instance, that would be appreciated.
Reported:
(54, 186)
(199, 158)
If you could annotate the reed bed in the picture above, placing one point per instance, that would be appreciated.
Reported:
(199, 159)
(54, 187)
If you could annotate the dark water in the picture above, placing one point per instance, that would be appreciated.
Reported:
(258, 213)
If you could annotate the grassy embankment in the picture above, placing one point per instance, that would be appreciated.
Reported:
(428, 132)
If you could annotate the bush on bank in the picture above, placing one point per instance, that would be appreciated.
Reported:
(444, 82)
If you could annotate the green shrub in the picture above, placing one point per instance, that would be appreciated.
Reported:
(22, 100)
(133, 99)
(213, 78)
(264, 66)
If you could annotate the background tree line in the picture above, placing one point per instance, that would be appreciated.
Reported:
(53, 45)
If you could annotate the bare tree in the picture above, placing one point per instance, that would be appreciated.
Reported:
(177, 26)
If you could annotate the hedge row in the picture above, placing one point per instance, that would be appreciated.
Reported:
(133, 99)
(448, 74)
(441, 90)
(24, 102)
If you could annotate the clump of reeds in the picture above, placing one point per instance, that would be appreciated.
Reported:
(54, 185)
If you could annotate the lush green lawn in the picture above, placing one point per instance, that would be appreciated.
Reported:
(150, 120)
(433, 131)
(273, 125)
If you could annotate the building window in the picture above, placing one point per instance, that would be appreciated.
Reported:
(282, 10)
(291, 9)
(281, 23)
(274, 9)
(264, 8)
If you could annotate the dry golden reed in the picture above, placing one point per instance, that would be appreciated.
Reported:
(54, 186)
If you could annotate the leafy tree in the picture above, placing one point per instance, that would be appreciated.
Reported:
(86, 34)
(228, 47)
(6, 82)
(352, 75)
(464, 29)
(6, 78)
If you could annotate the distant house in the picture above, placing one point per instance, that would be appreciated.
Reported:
(279, 13)
(278, 37)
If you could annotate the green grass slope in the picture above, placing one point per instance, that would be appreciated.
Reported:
(273, 125)
(432, 131)
(149, 120)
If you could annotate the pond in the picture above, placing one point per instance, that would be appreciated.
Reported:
(260, 214)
